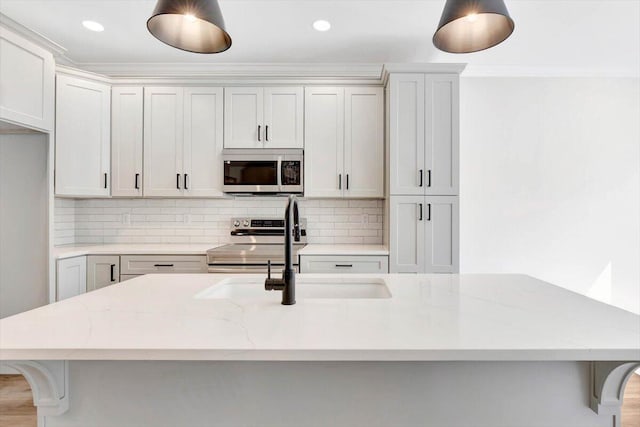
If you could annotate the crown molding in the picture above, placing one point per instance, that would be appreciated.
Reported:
(83, 74)
(426, 67)
(199, 72)
(56, 50)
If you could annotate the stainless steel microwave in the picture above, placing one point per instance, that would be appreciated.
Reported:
(263, 171)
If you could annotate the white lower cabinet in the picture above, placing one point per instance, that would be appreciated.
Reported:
(424, 234)
(354, 264)
(102, 270)
(71, 277)
(149, 264)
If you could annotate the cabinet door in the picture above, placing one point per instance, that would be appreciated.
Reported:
(102, 270)
(406, 234)
(324, 142)
(126, 141)
(406, 134)
(163, 141)
(203, 142)
(364, 142)
(283, 117)
(441, 234)
(71, 278)
(83, 127)
(441, 134)
(27, 81)
(243, 117)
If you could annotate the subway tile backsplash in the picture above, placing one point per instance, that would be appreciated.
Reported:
(96, 221)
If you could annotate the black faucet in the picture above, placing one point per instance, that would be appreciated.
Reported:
(288, 282)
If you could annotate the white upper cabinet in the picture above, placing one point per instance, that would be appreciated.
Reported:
(126, 141)
(324, 142)
(83, 127)
(256, 117)
(163, 141)
(344, 142)
(442, 134)
(27, 81)
(424, 134)
(364, 142)
(406, 133)
(183, 142)
(202, 168)
(283, 117)
(243, 117)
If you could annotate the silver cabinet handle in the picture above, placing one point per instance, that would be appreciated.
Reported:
(339, 181)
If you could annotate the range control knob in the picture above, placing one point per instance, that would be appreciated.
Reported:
(236, 223)
(246, 223)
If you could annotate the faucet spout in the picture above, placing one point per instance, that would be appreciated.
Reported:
(291, 232)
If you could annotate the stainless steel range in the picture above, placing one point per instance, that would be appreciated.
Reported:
(255, 242)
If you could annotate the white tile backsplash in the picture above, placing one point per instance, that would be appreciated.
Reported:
(96, 221)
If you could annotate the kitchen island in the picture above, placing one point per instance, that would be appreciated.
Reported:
(401, 350)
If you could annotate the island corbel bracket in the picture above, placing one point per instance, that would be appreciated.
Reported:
(608, 381)
(49, 381)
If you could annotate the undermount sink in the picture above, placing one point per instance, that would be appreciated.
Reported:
(340, 288)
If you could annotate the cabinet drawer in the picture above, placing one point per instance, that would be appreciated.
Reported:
(148, 264)
(344, 264)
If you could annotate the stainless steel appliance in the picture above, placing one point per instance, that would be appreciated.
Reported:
(263, 171)
(255, 242)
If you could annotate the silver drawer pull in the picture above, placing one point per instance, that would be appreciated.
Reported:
(344, 265)
(163, 265)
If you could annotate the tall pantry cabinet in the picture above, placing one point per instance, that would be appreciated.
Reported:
(423, 172)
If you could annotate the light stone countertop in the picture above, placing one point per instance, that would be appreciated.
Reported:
(312, 249)
(71, 251)
(429, 318)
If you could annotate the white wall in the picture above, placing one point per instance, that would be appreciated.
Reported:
(550, 182)
(207, 220)
(24, 223)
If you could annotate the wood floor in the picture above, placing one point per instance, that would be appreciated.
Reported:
(17, 410)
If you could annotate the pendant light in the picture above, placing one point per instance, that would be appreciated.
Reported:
(471, 25)
(191, 25)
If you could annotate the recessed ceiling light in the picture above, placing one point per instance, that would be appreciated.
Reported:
(322, 25)
(93, 26)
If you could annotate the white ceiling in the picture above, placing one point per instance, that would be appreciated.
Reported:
(584, 37)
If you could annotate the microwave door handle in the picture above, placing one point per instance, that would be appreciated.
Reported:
(279, 173)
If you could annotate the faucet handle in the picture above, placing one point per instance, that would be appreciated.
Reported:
(268, 269)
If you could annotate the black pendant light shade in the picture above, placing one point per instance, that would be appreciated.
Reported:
(191, 25)
(471, 25)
